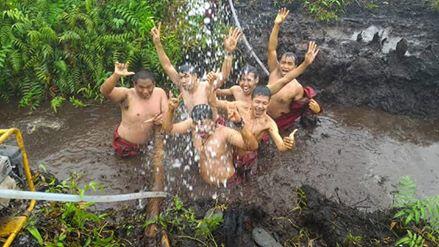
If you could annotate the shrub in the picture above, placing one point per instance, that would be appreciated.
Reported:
(62, 48)
(419, 217)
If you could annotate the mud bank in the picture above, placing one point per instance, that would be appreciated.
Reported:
(362, 72)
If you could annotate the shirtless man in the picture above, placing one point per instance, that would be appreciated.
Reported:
(293, 100)
(141, 106)
(254, 114)
(193, 90)
(214, 143)
(249, 78)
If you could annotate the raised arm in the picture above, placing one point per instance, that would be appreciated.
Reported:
(309, 59)
(285, 144)
(164, 60)
(244, 140)
(109, 89)
(230, 43)
(167, 125)
(224, 92)
(272, 43)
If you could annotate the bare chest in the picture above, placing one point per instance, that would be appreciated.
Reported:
(240, 96)
(199, 96)
(141, 109)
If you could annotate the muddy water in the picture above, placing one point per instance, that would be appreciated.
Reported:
(355, 156)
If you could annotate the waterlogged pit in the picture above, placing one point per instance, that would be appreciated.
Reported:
(354, 156)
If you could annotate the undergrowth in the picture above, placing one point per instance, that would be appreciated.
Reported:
(61, 48)
(417, 218)
(71, 224)
(182, 224)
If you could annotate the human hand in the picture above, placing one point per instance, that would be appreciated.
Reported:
(173, 102)
(158, 119)
(155, 33)
(314, 106)
(289, 141)
(311, 53)
(121, 69)
(231, 40)
(281, 16)
(233, 114)
(211, 77)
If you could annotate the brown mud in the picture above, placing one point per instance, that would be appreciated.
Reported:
(354, 157)
(359, 73)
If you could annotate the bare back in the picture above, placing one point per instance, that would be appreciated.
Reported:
(136, 110)
(281, 101)
(216, 157)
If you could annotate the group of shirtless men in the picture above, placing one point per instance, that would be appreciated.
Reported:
(226, 155)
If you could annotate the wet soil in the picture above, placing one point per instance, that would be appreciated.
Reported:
(354, 156)
(359, 73)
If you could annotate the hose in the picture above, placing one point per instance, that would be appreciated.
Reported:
(247, 44)
(43, 196)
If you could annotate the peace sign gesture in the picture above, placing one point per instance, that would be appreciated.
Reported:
(173, 102)
(155, 33)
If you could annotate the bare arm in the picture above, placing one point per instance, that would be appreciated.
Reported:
(282, 144)
(164, 60)
(230, 43)
(109, 89)
(309, 59)
(244, 140)
(167, 124)
(224, 92)
(272, 43)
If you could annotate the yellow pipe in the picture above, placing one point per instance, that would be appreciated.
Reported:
(4, 134)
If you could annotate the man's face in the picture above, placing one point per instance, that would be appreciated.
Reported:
(144, 88)
(188, 80)
(248, 82)
(286, 65)
(204, 128)
(260, 105)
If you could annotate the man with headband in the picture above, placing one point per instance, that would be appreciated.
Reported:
(193, 90)
(293, 100)
(214, 143)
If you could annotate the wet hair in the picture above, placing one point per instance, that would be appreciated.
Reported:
(261, 90)
(201, 112)
(249, 69)
(188, 68)
(290, 55)
(144, 75)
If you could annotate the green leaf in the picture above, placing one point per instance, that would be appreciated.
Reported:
(36, 234)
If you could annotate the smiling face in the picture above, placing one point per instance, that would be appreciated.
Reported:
(287, 63)
(260, 104)
(144, 88)
(248, 82)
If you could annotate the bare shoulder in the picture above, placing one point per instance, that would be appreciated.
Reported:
(159, 91)
(274, 75)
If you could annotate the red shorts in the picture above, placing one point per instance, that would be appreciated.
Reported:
(124, 148)
(244, 167)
